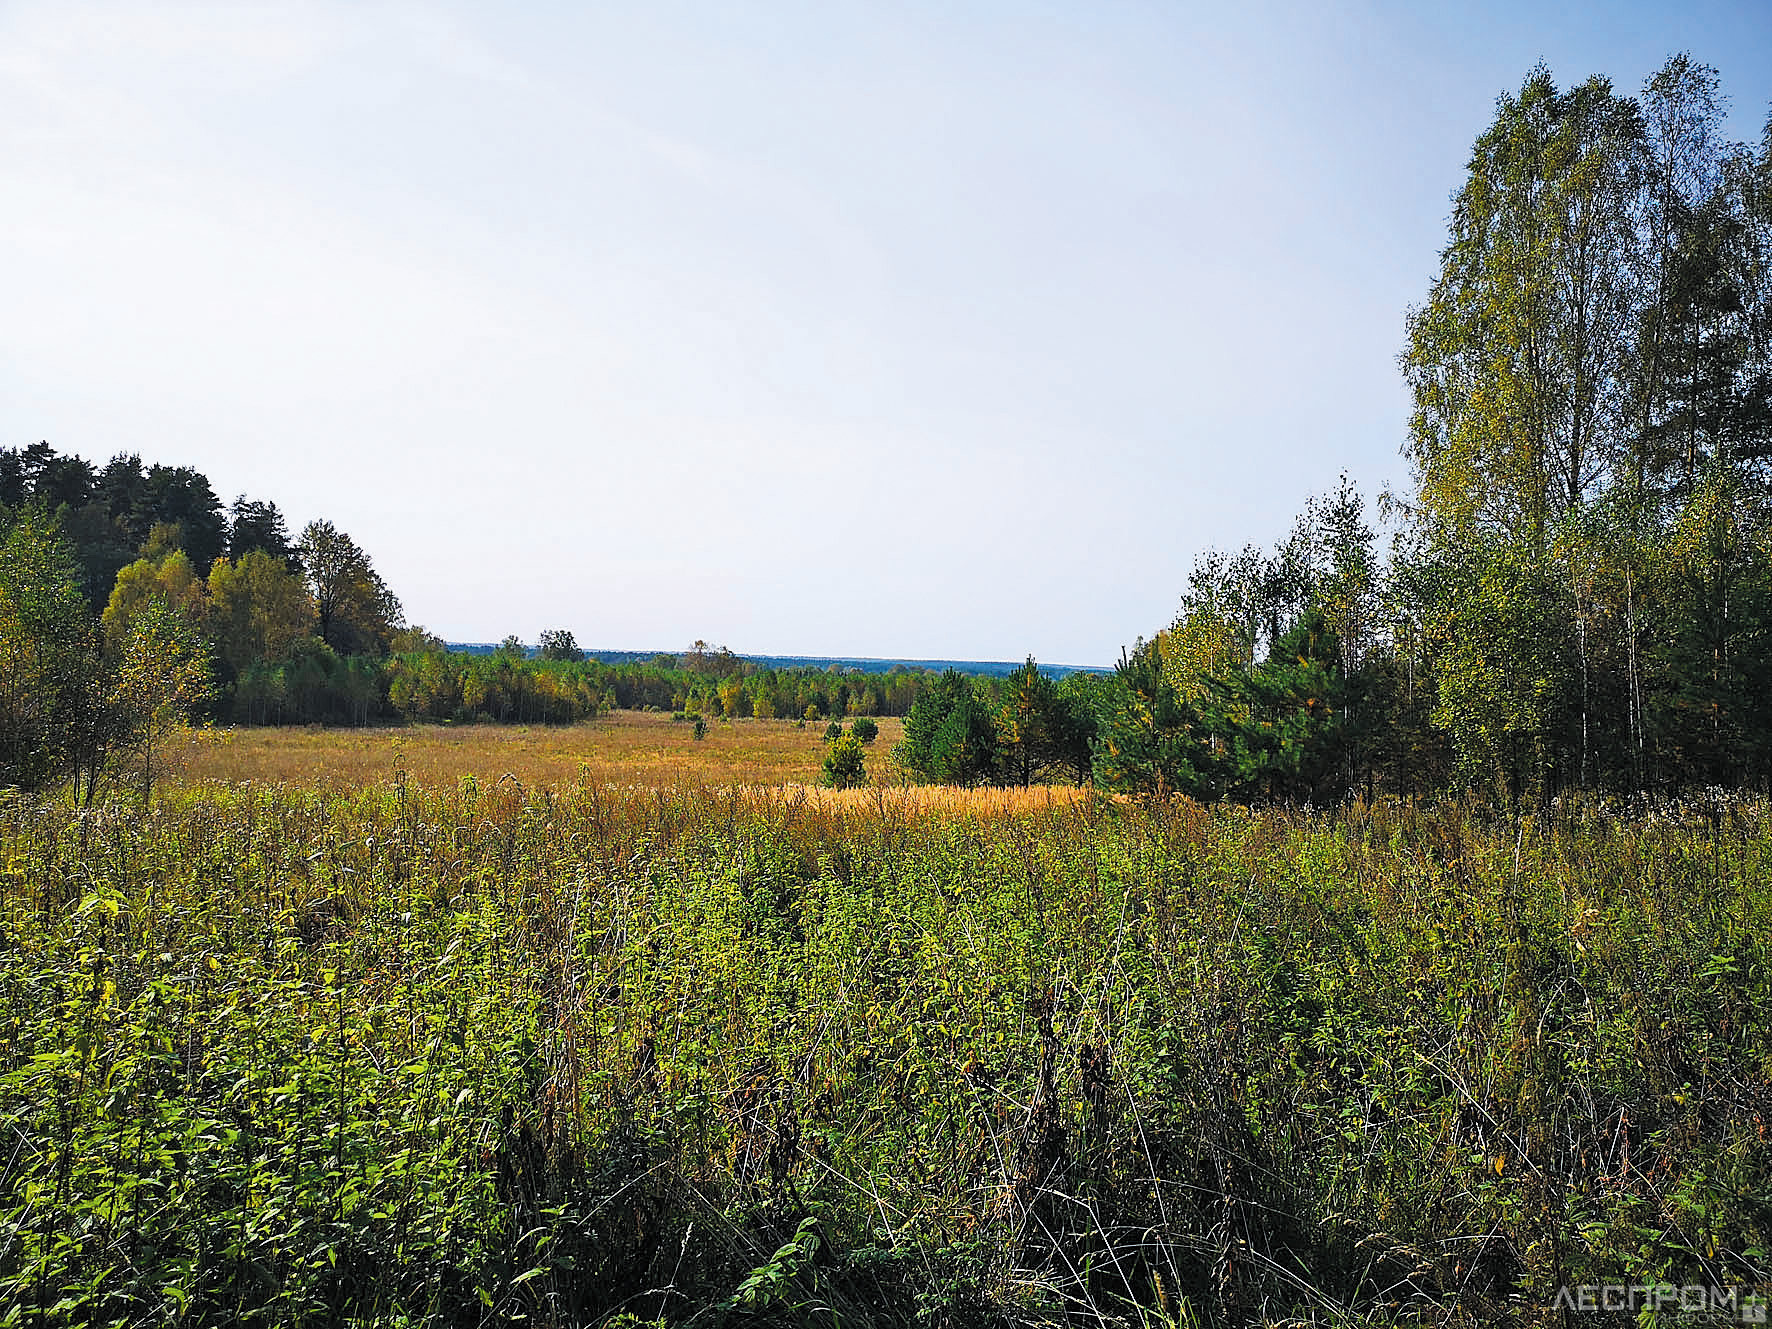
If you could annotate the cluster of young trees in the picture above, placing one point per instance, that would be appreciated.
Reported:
(1275, 681)
(78, 704)
(845, 758)
(1592, 375)
(1579, 589)
(802, 692)
(130, 600)
(1018, 730)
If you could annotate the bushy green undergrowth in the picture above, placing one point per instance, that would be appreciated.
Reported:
(400, 1058)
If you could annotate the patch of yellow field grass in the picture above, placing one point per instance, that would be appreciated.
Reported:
(774, 761)
(624, 748)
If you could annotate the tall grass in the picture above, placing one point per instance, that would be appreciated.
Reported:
(403, 1056)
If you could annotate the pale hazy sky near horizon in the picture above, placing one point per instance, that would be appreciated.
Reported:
(912, 330)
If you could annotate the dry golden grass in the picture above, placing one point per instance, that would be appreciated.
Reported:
(625, 748)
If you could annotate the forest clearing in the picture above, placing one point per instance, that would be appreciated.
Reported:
(622, 748)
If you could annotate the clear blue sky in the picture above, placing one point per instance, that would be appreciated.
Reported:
(908, 330)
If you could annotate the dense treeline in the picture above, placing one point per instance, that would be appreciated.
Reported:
(131, 602)
(1578, 592)
(508, 686)
(120, 568)
(1592, 376)
(1012, 731)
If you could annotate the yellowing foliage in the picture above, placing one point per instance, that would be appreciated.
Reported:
(259, 608)
(170, 578)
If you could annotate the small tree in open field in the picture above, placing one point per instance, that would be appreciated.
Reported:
(845, 765)
(163, 677)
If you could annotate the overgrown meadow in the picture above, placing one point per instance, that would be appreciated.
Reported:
(486, 1055)
(635, 748)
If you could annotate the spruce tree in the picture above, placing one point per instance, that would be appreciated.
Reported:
(1283, 727)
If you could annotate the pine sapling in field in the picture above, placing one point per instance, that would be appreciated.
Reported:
(845, 765)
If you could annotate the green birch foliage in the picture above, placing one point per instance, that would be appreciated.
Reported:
(49, 655)
(1520, 365)
(1710, 718)
(163, 677)
(1497, 630)
(1217, 628)
(1518, 360)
